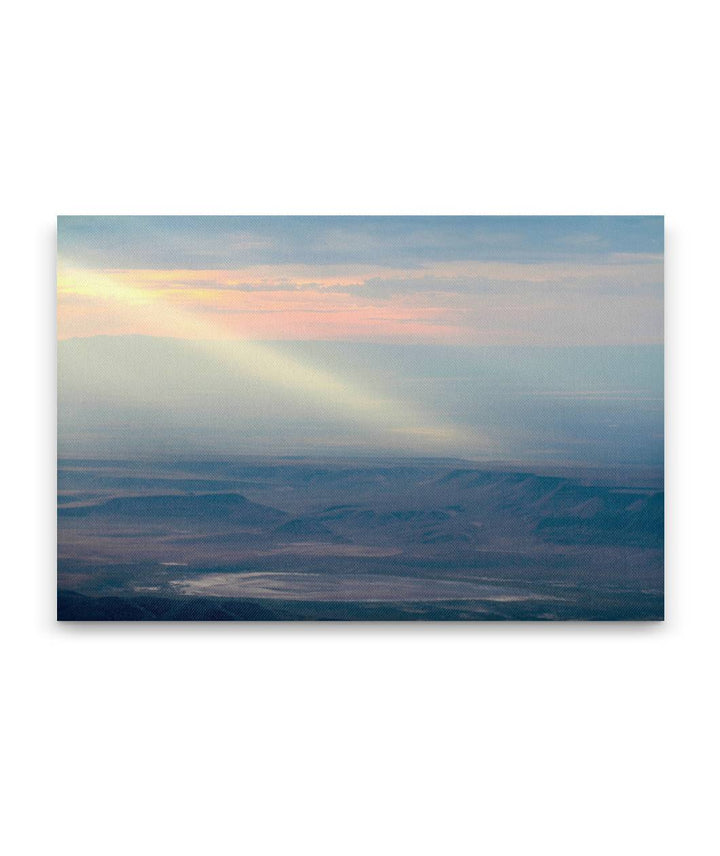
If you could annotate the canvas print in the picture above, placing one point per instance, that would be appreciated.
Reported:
(360, 418)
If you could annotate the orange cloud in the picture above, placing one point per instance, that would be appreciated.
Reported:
(88, 305)
(616, 302)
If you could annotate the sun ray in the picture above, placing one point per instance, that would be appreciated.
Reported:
(399, 421)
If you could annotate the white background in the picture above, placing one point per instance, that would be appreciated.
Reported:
(506, 739)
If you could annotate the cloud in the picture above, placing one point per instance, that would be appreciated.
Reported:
(618, 275)
(623, 273)
(492, 302)
(477, 280)
(232, 242)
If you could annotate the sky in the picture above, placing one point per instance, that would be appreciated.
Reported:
(465, 280)
(498, 337)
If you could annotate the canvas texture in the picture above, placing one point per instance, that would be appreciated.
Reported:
(360, 418)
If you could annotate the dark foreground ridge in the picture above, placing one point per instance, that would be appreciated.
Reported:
(76, 607)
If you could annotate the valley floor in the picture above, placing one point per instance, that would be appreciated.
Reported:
(301, 539)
